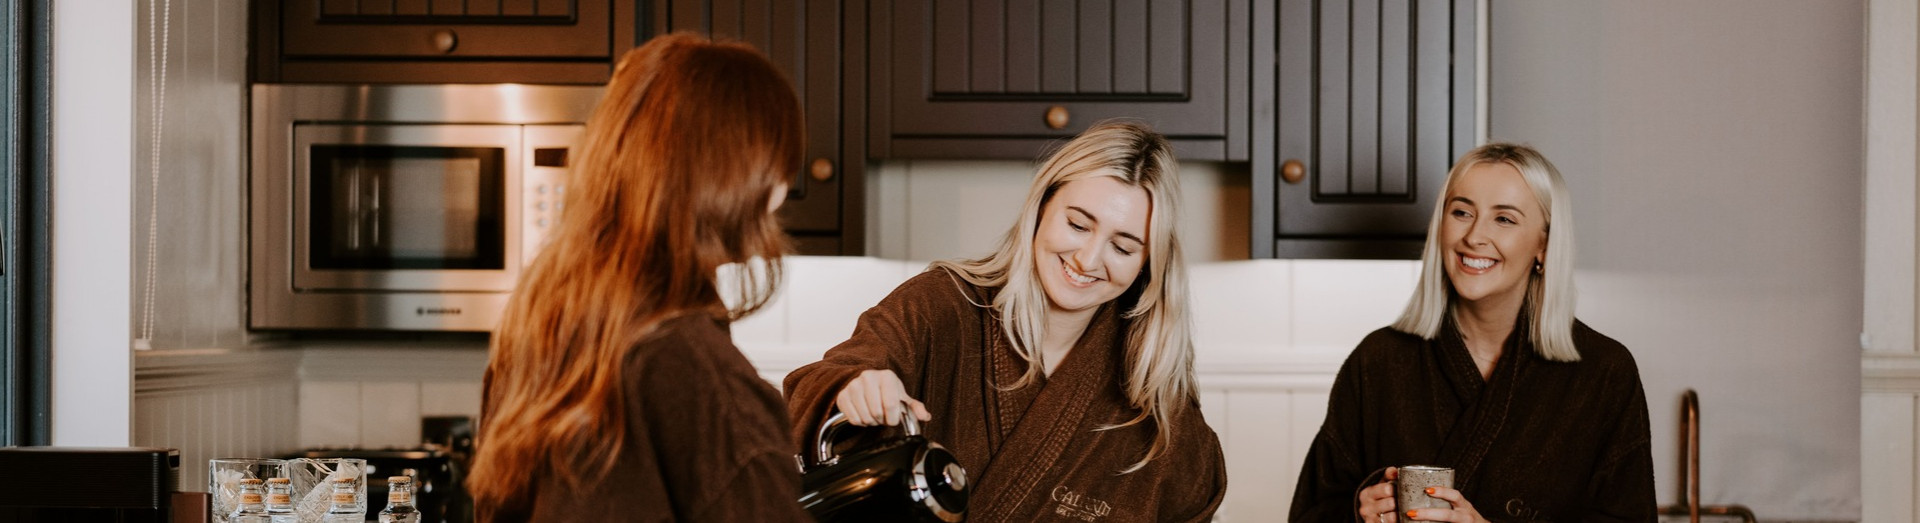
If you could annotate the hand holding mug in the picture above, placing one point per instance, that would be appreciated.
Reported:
(1376, 501)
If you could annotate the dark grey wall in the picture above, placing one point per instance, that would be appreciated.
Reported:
(1714, 152)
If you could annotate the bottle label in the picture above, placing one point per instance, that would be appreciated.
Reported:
(249, 498)
(279, 498)
(343, 497)
(399, 497)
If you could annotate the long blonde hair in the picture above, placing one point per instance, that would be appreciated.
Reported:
(1159, 358)
(671, 183)
(1550, 292)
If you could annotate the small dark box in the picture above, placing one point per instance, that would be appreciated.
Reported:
(83, 485)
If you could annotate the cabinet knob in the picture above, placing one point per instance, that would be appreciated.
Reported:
(1057, 117)
(821, 170)
(445, 40)
(1293, 171)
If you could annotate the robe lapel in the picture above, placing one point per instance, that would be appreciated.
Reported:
(1483, 403)
(1057, 409)
(1005, 368)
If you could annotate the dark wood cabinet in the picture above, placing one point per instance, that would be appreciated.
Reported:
(1005, 78)
(807, 39)
(1361, 107)
(440, 41)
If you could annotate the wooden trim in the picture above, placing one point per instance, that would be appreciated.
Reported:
(163, 371)
(1890, 374)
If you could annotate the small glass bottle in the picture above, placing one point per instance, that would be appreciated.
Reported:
(400, 507)
(250, 509)
(346, 506)
(280, 501)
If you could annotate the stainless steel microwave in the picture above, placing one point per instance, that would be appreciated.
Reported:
(402, 207)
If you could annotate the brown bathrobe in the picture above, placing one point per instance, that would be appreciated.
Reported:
(706, 441)
(1034, 453)
(1538, 441)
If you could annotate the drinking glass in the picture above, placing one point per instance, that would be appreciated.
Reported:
(312, 483)
(223, 480)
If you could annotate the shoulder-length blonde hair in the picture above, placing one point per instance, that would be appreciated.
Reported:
(1550, 293)
(672, 181)
(1159, 358)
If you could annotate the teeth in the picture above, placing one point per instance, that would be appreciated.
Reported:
(1077, 277)
(1476, 263)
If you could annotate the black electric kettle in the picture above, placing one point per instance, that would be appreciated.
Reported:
(906, 478)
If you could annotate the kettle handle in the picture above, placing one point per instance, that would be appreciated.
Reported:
(823, 442)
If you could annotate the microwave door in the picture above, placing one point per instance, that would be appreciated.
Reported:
(399, 208)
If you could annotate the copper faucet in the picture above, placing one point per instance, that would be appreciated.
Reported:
(1690, 469)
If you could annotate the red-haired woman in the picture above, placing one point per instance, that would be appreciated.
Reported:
(613, 391)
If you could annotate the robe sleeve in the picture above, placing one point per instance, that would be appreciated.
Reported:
(1332, 471)
(893, 335)
(1622, 485)
(722, 452)
(1209, 488)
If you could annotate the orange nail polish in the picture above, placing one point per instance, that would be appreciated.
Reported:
(1413, 514)
(1429, 491)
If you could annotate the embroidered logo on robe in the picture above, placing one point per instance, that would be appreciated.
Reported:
(1077, 505)
(1518, 508)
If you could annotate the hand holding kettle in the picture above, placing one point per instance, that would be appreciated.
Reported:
(873, 397)
(905, 478)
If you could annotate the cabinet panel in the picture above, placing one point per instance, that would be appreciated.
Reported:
(802, 38)
(1373, 99)
(441, 41)
(468, 29)
(976, 78)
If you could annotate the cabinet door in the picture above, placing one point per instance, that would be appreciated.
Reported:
(1374, 100)
(464, 29)
(802, 38)
(438, 41)
(1005, 78)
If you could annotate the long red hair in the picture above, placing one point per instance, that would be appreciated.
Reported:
(672, 182)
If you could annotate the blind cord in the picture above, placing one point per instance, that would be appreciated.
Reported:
(157, 87)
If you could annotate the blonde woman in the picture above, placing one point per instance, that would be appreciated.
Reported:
(1059, 369)
(1488, 373)
(613, 392)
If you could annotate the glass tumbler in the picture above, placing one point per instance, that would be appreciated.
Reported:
(223, 480)
(311, 477)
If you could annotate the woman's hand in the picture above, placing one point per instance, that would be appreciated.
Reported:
(1462, 511)
(874, 398)
(1376, 502)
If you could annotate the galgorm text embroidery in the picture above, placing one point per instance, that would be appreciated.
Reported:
(1077, 505)
(1518, 508)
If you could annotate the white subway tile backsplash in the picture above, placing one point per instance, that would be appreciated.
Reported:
(961, 209)
(1256, 445)
(767, 325)
(1241, 306)
(450, 398)
(329, 414)
(1337, 302)
(389, 414)
(827, 295)
(1308, 410)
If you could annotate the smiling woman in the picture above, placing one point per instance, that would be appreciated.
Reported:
(1488, 373)
(1077, 323)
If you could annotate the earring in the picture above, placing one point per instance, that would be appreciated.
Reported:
(1539, 269)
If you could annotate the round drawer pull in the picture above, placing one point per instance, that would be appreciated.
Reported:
(444, 40)
(821, 170)
(1057, 117)
(1293, 171)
